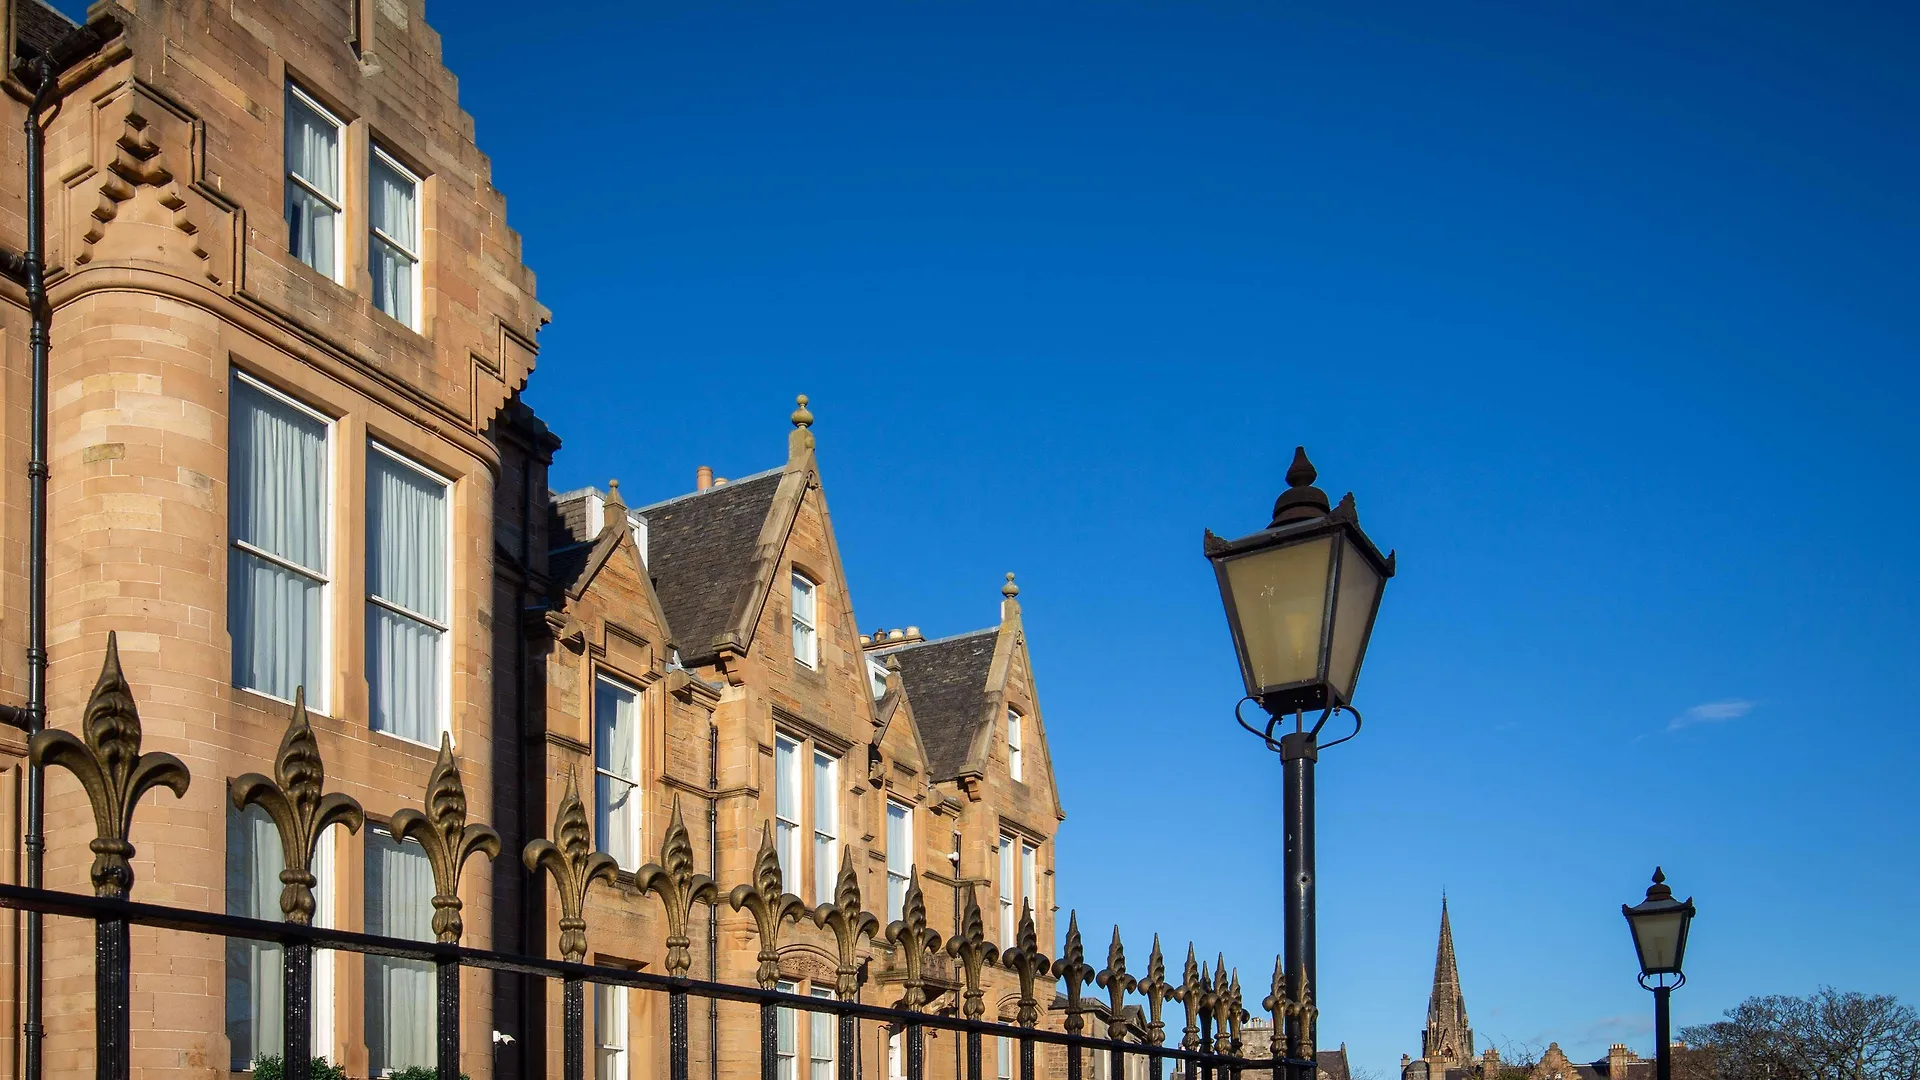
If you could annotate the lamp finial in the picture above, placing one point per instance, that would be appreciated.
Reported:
(1659, 890)
(1301, 500)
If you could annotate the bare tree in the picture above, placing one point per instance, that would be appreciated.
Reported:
(1829, 1035)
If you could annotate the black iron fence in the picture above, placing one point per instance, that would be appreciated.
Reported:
(107, 760)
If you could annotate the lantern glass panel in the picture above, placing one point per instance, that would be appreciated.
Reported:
(1359, 588)
(1659, 936)
(1280, 603)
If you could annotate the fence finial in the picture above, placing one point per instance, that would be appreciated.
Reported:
(300, 812)
(770, 906)
(1116, 982)
(1190, 994)
(672, 879)
(1153, 986)
(448, 839)
(1072, 968)
(574, 864)
(973, 950)
(916, 940)
(1220, 1001)
(110, 766)
(1027, 961)
(1236, 1016)
(847, 921)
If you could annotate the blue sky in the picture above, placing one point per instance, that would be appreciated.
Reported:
(1604, 312)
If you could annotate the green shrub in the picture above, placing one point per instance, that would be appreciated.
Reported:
(271, 1067)
(416, 1072)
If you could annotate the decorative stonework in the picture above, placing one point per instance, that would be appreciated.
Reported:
(145, 169)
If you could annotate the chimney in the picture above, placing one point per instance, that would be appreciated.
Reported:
(703, 478)
(719, 481)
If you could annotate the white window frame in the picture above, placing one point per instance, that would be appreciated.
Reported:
(803, 585)
(1004, 1068)
(903, 873)
(789, 848)
(787, 1058)
(897, 1057)
(415, 253)
(822, 1052)
(618, 1048)
(1015, 745)
(826, 834)
(445, 725)
(1008, 920)
(339, 274)
(634, 813)
(1029, 877)
(324, 907)
(877, 675)
(318, 697)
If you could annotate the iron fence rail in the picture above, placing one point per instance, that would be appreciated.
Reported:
(116, 775)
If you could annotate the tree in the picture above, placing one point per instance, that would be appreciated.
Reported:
(1829, 1035)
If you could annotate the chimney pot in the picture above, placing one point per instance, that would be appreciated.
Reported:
(719, 481)
(913, 631)
(895, 634)
(703, 478)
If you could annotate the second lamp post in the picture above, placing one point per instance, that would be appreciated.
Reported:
(1301, 596)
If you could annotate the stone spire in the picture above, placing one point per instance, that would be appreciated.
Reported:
(1449, 1039)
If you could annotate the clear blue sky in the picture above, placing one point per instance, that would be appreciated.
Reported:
(1597, 308)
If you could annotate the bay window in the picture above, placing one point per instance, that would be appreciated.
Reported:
(899, 855)
(279, 493)
(616, 770)
(400, 994)
(786, 808)
(393, 248)
(806, 644)
(313, 203)
(408, 609)
(826, 824)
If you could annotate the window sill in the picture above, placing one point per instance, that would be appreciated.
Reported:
(406, 742)
(312, 709)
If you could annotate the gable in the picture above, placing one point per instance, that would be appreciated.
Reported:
(701, 551)
(947, 680)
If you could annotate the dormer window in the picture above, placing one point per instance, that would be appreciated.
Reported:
(1014, 765)
(806, 639)
(877, 675)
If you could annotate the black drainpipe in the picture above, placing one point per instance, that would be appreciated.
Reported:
(41, 74)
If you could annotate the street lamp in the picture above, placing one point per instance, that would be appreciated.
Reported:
(1301, 596)
(1659, 924)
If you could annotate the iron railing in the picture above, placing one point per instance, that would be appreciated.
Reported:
(107, 760)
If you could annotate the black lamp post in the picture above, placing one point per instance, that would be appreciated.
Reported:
(1659, 924)
(1301, 596)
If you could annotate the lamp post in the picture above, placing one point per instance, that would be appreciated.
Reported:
(1659, 924)
(1301, 596)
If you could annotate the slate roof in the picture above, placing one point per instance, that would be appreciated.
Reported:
(699, 554)
(38, 27)
(565, 565)
(947, 681)
(1333, 1064)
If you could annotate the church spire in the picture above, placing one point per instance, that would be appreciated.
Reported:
(1449, 1038)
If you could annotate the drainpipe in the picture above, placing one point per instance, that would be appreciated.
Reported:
(41, 74)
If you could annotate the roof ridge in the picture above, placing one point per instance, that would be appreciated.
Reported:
(761, 475)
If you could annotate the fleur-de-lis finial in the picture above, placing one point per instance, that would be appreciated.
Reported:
(974, 951)
(770, 906)
(574, 864)
(1116, 982)
(847, 921)
(1072, 968)
(1282, 1005)
(448, 839)
(110, 766)
(672, 879)
(1221, 1002)
(1236, 1016)
(1153, 986)
(293, 798)
(1190, 994)
(1027, 961)
(915, 939)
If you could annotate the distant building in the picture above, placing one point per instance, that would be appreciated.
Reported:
(1446, 1046)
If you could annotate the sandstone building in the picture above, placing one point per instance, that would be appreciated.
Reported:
(288, 459)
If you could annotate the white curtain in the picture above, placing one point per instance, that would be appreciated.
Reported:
(820, 1040)
(313, 155)
(1006, 890)
(1006, 1057)
(254, 977)
(786, 808)
(394, 200)
(407, 560)
(610, 1031)
(826, 825)
(787, 1049)
(277, 503)
(617, 721)
(399, 993)
(899, 856)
